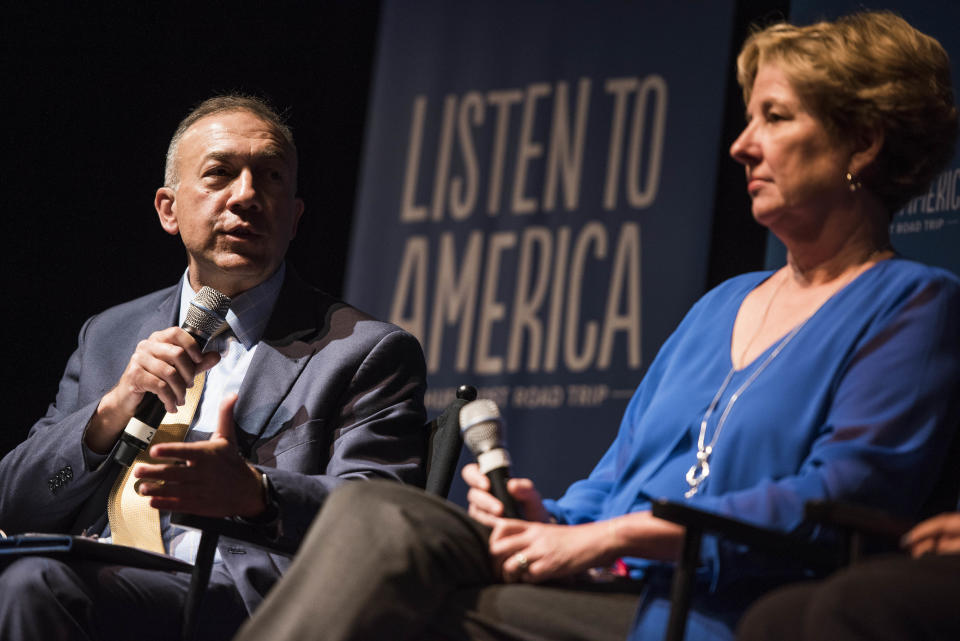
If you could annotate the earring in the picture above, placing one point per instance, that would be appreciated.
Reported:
(852, 183)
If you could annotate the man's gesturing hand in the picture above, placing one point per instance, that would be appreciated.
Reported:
(209, 478)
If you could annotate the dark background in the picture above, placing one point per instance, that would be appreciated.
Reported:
(91, 96)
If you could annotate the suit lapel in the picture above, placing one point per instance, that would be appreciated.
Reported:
(283, 352)
(165, 315)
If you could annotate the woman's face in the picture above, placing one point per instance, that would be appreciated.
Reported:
(795, 169)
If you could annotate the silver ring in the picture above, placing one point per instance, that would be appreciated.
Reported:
(522, 561)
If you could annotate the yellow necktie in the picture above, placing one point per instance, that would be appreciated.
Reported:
(132, 521)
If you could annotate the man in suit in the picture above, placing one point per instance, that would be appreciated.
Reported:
(307, 390)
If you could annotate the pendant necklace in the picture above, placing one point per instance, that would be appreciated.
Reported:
(700, 470)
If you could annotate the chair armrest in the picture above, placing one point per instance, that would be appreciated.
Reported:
(857, 518)
(444, 443)
(696, 524)
(760, 538)
(866, 530)
(233, 530)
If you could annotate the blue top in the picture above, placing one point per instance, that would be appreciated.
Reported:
(860, 405)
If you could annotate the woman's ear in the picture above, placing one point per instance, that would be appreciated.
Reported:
(866, 149)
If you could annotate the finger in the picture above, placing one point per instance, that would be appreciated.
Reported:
(513, 569)
(509, 537)
(525, 493)
(481, 516)
(166, 504)
(948, 545)
(177, 336)
(175, 355)
(148, 470)
(923, 547)
(175, 504)
(225, 428)
(485, 502)
(522, 488)
(178, 358)
(949, 523)
(474, 477)
(163, 489)
(187, 452)
(538, 571)
(166, 473)
(146, 373)
(511, 527)
(932, 527)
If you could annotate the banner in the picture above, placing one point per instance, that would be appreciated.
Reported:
(927, 229)
(535, 203)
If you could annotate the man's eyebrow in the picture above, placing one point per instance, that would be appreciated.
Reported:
(269, 153)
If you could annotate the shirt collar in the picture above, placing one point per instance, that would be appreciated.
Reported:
(249, 311)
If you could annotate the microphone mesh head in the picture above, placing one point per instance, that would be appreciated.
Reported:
(481, 426)
(206, 313)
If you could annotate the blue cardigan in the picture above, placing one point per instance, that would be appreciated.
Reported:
(860, 405)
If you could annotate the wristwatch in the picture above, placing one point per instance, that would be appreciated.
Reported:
(268, 521)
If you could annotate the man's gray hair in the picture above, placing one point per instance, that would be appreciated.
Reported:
(219, 104)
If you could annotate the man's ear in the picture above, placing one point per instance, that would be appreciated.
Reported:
(165, 204)
(866, 148)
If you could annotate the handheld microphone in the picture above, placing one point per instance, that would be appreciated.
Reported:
(205, 319)
(483, 431)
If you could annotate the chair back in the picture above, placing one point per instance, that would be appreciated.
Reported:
(444, 443)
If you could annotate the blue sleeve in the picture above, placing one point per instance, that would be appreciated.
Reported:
(584, 500)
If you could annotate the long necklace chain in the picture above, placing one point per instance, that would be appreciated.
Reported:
(700, 470)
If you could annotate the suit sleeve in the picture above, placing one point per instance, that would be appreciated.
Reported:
(46, 479)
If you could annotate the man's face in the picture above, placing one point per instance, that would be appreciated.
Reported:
(234, 208)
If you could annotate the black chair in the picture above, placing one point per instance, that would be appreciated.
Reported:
(443, 451)
(856, 530)
(856, 527)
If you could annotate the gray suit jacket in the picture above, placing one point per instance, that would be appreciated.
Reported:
(341, 392)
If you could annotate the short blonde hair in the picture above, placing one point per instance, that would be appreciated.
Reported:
(864, 71)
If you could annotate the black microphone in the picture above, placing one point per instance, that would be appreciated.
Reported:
(483, 431)
(205, 319)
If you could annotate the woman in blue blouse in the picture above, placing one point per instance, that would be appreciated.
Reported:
(832, 377)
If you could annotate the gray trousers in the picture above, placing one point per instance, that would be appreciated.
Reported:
(387, 561)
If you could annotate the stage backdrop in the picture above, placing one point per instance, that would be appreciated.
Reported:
(535, 203)
(928, 227)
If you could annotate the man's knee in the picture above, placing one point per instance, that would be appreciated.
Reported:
(778, 615)
(867, 597)
(38, 600)
(358, 498)
(32, 578)
(859, 588)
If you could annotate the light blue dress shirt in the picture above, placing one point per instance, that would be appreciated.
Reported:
(248, 316)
